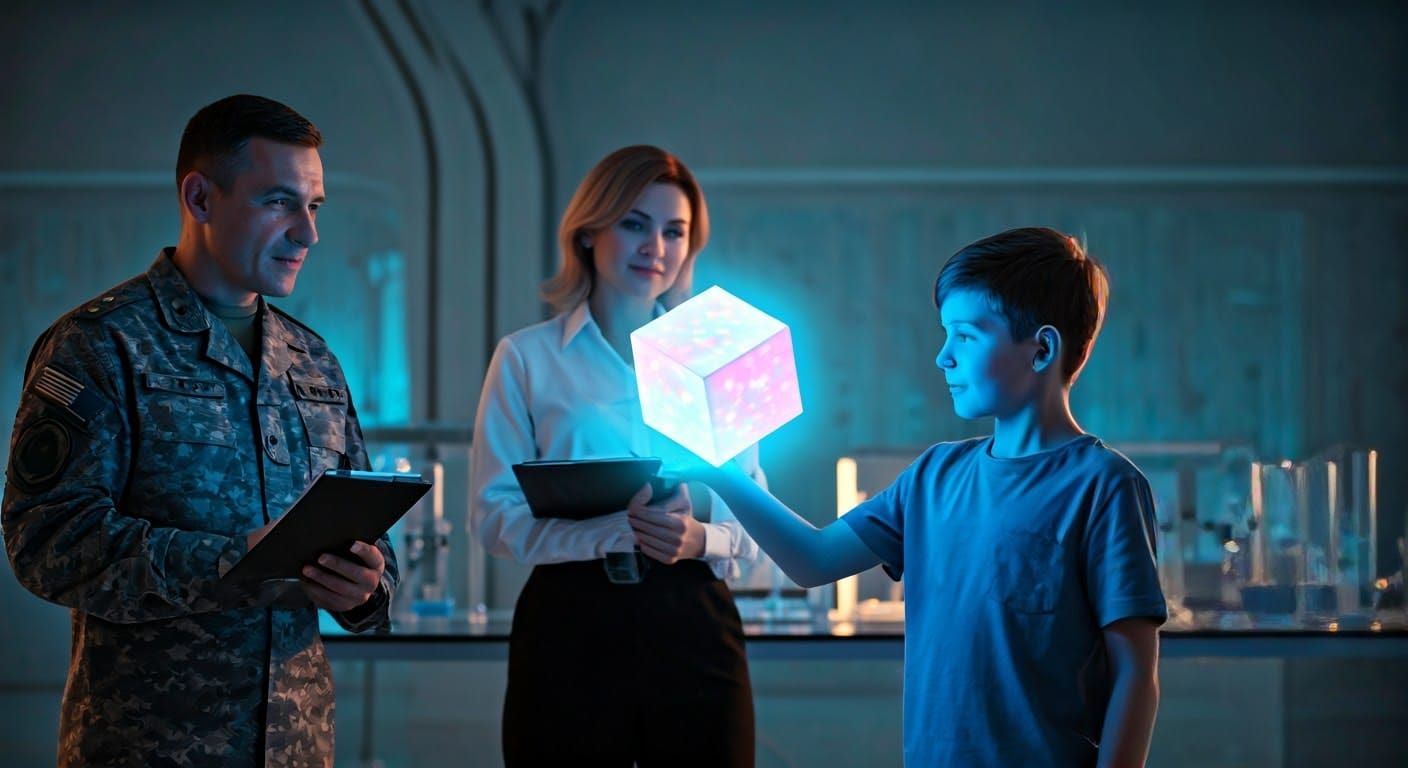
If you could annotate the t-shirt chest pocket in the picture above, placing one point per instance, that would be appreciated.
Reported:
(323, 408)
(1028, 571)
(185, 409)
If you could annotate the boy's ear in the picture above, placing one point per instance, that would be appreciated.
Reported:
(1048, 348)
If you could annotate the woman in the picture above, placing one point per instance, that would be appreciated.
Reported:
(606, 673)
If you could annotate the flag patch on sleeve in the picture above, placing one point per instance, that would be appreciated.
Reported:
(67, 393)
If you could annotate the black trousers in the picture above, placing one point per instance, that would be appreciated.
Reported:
(603, 674)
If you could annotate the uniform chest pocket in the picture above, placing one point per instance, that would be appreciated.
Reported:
(184, 409)
(323, 410)
(1028, 571)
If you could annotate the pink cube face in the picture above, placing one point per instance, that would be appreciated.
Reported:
(753, 395)
(716, 375)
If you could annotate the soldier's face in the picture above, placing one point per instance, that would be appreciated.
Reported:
(262, 227)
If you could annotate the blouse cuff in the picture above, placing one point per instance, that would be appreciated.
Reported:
(718, 542)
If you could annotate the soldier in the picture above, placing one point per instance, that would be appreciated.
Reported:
(163, 427)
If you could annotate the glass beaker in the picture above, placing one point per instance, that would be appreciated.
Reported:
(1269, 596)
(427, 572)
(1358, 533)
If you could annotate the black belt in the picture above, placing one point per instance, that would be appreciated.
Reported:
(626, 567)
(685, 569)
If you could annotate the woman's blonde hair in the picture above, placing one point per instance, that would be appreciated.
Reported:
(603, 198)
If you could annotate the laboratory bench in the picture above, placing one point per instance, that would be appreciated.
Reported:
(484, 637)
(829, 692)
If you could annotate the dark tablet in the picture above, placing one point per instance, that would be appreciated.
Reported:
(577, 490)
(341, 507)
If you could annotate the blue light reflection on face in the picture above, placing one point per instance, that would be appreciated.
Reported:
(987, 372)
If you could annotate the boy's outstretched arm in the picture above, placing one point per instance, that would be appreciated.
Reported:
(1133, 649)
(809, 555)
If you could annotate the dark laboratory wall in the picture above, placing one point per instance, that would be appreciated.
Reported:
(1242, 168)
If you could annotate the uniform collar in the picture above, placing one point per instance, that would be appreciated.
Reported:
(183, 310)
(581, 316)
(276, 328)
(180, 305)
(280, 341)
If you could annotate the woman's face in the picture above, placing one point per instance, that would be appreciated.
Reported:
(638, 257)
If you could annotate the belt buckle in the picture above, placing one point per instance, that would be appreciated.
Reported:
(624, 567)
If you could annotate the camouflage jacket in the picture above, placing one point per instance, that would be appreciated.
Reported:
(146, 446)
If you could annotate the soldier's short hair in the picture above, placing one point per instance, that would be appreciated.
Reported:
(215, 137)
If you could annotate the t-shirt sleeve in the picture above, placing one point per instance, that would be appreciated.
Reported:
(879, 520)
(1121, 576)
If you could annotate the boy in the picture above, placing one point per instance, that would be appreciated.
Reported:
(1033, 599)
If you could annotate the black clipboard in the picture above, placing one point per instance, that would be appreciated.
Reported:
(341, 507)
(585, 488)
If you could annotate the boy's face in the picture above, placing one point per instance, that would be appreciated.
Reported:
(988, 373)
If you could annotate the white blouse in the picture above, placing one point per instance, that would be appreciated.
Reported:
(557, 390)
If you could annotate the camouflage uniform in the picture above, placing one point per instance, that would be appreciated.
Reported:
(145, 448)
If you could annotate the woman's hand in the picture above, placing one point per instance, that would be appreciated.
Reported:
(665, 529)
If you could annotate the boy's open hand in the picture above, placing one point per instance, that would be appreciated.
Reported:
(680, 462)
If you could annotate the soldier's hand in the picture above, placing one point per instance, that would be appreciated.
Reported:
(341, 584)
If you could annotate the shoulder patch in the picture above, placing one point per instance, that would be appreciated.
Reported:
(41, 453)
(66, 392)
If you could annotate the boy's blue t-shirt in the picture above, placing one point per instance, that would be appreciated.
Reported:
(1011, 569)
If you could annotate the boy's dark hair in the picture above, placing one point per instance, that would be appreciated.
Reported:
(1035, 276)
(216, 136)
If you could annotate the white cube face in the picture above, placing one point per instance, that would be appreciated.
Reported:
(672, 394)
(716, 375)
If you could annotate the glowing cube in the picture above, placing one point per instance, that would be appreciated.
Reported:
(716, 375)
